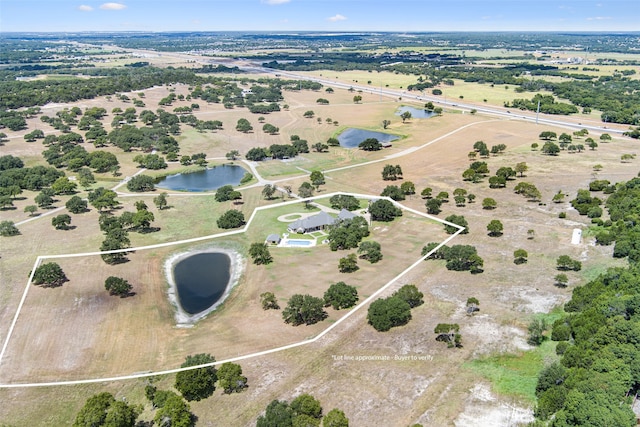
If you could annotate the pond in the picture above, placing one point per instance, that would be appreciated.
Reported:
(201, 279)
(352, 137)
(205, 180)
(416, 113)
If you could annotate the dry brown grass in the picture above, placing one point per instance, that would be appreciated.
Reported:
(78, 331)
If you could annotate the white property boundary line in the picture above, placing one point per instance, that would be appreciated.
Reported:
(213, 236)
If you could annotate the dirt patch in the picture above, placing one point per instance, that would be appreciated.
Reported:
(483, 409)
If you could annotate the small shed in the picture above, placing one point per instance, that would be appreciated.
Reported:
(576, 237)
(273, 239)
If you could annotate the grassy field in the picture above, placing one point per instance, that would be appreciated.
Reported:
(78, 331)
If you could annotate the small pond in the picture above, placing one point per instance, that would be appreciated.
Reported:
(352, 137)
(416, 113)
(205, 180)
(201, 279)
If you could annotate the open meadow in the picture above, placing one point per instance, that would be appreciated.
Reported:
(404, 376)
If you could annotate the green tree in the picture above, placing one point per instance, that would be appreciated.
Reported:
(426, 193)
(408, 188)
(520, 256)
(64, 186)
(411, 295)
(76, 205)
(561, 280)
(231, 379)
(199, 383)
(305, 404)
(61, 222)
(8, 228)
(335, 418)
(384, 210)
(370, 144)
(175, 412)
(268, 191)
(458, 220)
(521, 168)
(495, 228)
(405, 116)
(305, 190)
(277, 414)
(344, 201)
(118, 286)
(259, 252)
(161, 201)
(49, 275)
(317, 179)
(140, 183)
(550, 148)
(489, 203)
(268, 301)
(385, 313)
(433, 206)
(391, 172)
(340, 295)
(394, 192)
(232, 218)
(370, 250)
(565, 262)
(104, 410)
(547, 135)
(386, 123)
(357, 99)
(536, 331)
(31, 209)
(348, 264)
(304, 309)
(244, 126)
(270, 129)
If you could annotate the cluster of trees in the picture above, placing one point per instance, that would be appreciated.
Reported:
(14, 176)
(457, 257)
(304, 410)
(347, 234)
(548, 105)
(170, 408)
(344, 201)
(386, 313)
(598, 374)
(586, 204)
(396, 193)
(226, 192)
(279, 151)
(391, 172)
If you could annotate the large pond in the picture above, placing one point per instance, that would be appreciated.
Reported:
(352, 137)
(201, 279)
(416, 113)
(206, 180)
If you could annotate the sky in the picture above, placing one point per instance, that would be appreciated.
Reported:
(319, 15)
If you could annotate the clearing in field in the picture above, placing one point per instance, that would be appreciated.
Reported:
(77, 331)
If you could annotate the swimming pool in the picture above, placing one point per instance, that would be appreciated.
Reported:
(300, 242)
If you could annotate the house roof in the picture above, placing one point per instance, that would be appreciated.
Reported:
(273, 238)
(345, 214)
(319, 220)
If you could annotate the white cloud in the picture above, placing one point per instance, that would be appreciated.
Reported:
(599, 18)
(337, 18)
(274, 2)
(112, 6)
(85, 8)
